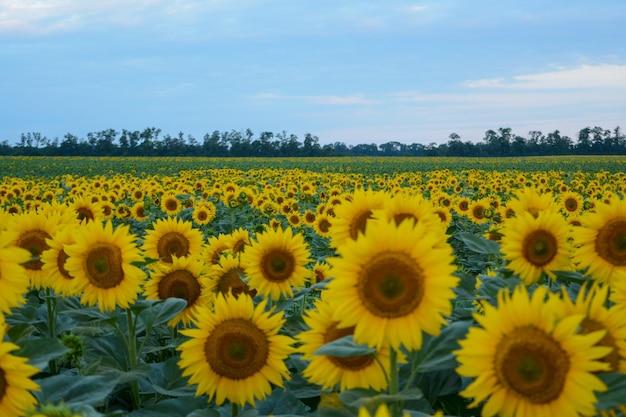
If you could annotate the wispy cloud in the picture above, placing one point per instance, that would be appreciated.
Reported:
(322, 100)
(585, 76)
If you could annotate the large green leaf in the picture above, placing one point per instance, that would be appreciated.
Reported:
(76, 391)
(158, 312)
(436, 352)
(479, 244)
(344, 347)
(615, 395)
(41, 351)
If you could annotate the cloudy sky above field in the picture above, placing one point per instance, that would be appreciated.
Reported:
(353, 71)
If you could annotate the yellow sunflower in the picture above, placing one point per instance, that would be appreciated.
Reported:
(16, 384)
(32, 229)
(527, 363)
(215, 247)
(352, 215)
(600, 244)
(328, 371)
(322, 225)
(170, 204)
(172, 237)
(183, 278)
(226, 277)
(530, 200)
(571, 203)
(239, 239)
(86, 210)
(276, 262)
(203, 212)
(236, 353)
(600, 317)
(13, 279)
(138, 211)
(101, 262)
(321, 271)
(535, 245)
(392, 283)
(57, 277)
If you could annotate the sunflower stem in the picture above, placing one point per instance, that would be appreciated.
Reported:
(394, 381)
(132, 353)
(51, 304)
(234, 410)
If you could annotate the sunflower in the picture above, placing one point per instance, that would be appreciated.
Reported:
(238, 240)
(57, 277)
(309, 217)
(571, 203)
(600, 244)
(183, 278)
(236, 353)
(16, 384)
(599, 317)
(532, 201)
(322, 225)
(391, 283)
(86, 210)
(402, 208)
(527, 363)
(215, 247)
(138, 211)
(361, 371)
(321, 271)
(13, 279)
(32, 229)
(170, 204)
(100, 261)
(226, 277)
(480, 211)
(172, 237)
(352, 215)
(203, 213)
(536, 245)
(276, 262)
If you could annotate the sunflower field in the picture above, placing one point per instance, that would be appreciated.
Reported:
(334, 287)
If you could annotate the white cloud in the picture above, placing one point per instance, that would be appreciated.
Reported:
(585, 76)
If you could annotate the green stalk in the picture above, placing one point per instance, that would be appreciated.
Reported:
(394, 381)
(132, 353)
(234, 410)
(51, 304)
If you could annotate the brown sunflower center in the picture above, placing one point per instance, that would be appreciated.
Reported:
(353, 363)
(278, 265)
(231, 282)
(34, 241)
(571, 204)
(478, 212)
(61, 258)
(180, 284)
(202, 215)
(358, 223)
(611, 242)
(172, 243)
(400, 217)
(84, 213)
(171, 204)
(540, 247)
(324, 226)
(588, 326)
(236, 349)
(532, 364)
(391, 285)
(104, 266)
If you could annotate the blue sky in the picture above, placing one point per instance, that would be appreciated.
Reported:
(344, 70)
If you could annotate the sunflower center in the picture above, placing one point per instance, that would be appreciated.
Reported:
(571, 204)
(588, 326)
(532, 364)
(180, 284)
(34, 241)
(104, 266)
(61, 258)
(358, 223)
(478, 212)
(353, 363)
(278, 265)
(202, 215)
(3, 384)
(83, 213)
(540, 247)
(324, 226)
(611, 242)
(236, 349)
(172, 243)
(171, 204)
(400, 217)
(391, 285)
(231, 282)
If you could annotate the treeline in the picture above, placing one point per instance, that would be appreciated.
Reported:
(151, 142)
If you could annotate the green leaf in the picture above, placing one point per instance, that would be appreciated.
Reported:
(204, 413)
(172, 407)
(364, 398)
(41, 351)
(614, 395)
(158, 312)
(76, 391)
(479, 244)
(436, 352)
(344, 347)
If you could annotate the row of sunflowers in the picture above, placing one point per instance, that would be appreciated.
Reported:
(291, 292)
